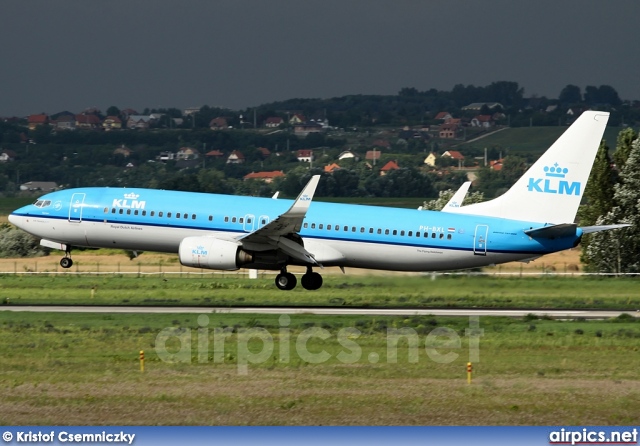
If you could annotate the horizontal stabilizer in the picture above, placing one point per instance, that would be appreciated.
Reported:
(553, 231)
(592, 229)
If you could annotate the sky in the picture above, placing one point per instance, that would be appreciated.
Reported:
(75, 54)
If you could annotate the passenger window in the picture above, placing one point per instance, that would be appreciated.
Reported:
(306, 225)
(241, 220)
(313, 225)
(370, 230)
(210, 217)
(153, 213)
(379, 231)
(193, 216)
(113, 211)
(226, 219)
(106, 210)
(346, 229)
(448, 236)
(417, 234)
(402, 233)
(233, 219)
(264, 222)
(410, 233)
(386, 232)
(135, 212)
(361, 229)
(433, 235)
(353, 229)
(128, 211)
(121, 211)
(248, 221)
(337, 227)
(168, 214)
(395, 232)
(441, 235)
(178, 215)
(328, 227)
(320, 226)
(144, 213)
(160, 214)
(185, 215)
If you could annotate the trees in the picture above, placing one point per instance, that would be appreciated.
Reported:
(619, 251)
(570, 94)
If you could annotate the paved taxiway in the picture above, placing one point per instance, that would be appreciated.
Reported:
(555, 314)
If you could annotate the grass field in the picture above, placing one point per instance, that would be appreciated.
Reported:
(84, 369)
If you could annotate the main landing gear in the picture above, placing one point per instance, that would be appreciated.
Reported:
(287, 281)
(66, 261)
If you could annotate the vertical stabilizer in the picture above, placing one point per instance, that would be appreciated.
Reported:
(551, 190)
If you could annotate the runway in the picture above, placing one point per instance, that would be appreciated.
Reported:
(329, 311)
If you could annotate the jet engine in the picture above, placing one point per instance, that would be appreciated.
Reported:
(212, 253)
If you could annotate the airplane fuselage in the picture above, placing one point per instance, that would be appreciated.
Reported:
(336, 234)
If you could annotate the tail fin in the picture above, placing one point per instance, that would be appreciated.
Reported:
(551, 190)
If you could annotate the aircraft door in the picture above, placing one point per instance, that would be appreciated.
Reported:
(480, 240)
(75, 207)
(249, 222)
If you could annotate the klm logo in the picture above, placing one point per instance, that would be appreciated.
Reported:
(554, 182)
(130, 201)
(305, 197)
(199, 251)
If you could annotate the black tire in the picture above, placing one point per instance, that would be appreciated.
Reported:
(66, 262)
(286, 281)
(311, 281)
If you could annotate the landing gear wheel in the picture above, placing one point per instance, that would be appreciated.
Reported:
(311, 281)
(66, 262)
(286, 281)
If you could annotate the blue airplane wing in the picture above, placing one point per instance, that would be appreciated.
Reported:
(278, 233)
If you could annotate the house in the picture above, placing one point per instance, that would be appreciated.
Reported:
(331, 167)
(477, 106)
(37, 120)
(347, 154)
(267, 177)
(448, 131)
(273, 122)
(443, 116)
(128, 112)
(430, 160)
(383, 143)
(139, 122)
(112, 123)
(7, 155)
(124, 151)
(264, 152)
(236, 157)
(297, 119)
(484, 121)
(44, 186)
(305, 155)
(373, 155)
(88, 121)
(218, 124)
(391, 165)
(66, 122)
(496, 164)
(214, 154)
(166, 156)
(453, 154)
(187, 153)
(303, 129)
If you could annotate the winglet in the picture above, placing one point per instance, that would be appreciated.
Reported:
(300, 206)
(455, 203)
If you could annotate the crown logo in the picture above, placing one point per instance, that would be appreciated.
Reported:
(132, 196)
(555, 171)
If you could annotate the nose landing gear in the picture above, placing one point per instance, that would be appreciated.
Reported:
(66, 261)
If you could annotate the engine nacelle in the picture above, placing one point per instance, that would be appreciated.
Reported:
(212, 253)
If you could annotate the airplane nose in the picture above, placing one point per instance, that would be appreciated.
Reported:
(12, 219)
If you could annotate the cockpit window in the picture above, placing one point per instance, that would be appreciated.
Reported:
(42, 203)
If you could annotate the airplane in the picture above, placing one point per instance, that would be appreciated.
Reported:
(223, 232)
